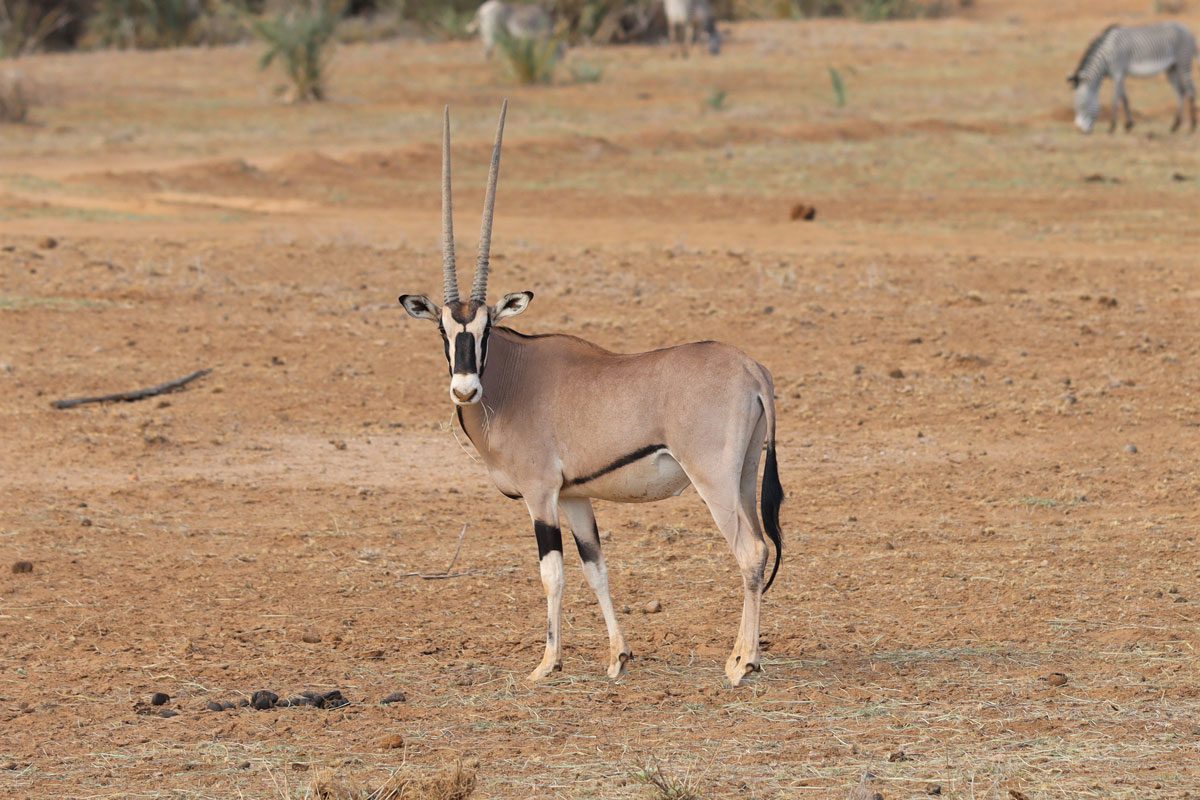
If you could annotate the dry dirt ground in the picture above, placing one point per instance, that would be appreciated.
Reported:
(987, 386)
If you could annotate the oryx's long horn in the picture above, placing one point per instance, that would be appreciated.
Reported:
(479, 287)
(449, 275)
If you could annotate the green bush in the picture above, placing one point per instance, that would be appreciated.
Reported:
(143, 24)
(300, 37)
(530, 60)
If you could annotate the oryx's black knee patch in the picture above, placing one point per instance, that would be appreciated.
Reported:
(549, 537)
(589, 548)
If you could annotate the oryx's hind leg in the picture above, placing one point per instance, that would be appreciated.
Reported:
(726, 480)
(587, 538)
(544, 512)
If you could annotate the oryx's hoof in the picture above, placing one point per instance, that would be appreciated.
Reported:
(617, 668)
(736, 669)
(544, 670)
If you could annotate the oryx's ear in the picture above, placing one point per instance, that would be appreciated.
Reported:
(511, 304)
(419, 306)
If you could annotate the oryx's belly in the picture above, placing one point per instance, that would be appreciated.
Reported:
(654, 477)
(1151, 66)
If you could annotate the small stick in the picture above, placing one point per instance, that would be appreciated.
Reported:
(137, 394)
(435, 576)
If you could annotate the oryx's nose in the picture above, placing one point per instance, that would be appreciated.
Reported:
(467, 396)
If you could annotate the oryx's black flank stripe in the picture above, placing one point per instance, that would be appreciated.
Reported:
(589, 548)
(549, 538)
(464, 354)
(623, 461)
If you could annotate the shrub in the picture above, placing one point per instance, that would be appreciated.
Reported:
(25, 25)
(16, 98)
(530, 60)
(143, 24)
(300, 39)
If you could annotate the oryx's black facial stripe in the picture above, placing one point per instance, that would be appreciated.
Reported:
(445, 344)
(589, 546)
(549, 538)
(623, 461)
(464, 354)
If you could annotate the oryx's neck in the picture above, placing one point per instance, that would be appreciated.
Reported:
(504, 372)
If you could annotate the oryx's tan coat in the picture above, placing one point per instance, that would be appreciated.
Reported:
(560, 421)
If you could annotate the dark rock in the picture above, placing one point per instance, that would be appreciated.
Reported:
(213, 705)
(20, 567)
(160, 699)
(262, 700)
(168, 712)
(394, 697)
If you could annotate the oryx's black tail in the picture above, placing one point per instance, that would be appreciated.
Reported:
(772, 492)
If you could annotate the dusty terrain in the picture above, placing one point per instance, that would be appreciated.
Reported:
(987, 386)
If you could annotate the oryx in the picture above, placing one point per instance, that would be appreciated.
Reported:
(560, 421)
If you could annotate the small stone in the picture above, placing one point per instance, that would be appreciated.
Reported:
(803, 211)
(8, 765)
(168, 713)
(653, 607)
(899, 755)
(393, 742)
(311, 637)
(1131, 448)
(1056, 679)
(935, 789)
(160, 699)
(1017, 794)
(213, 705)
(338, 444)
(86, 522)
(897, 373)
(394, 697)
(48, 243)
(21, 567)
(262, 700)
(975, 296)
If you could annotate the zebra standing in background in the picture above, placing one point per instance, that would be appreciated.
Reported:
(495, 18)
(1119, 51)
(685, 18)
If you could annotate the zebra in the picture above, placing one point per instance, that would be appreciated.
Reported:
(1119, 52)
(685, 18)
(496, 18)
(559, 421)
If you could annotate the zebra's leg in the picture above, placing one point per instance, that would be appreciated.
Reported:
(544, 511)
(1118, 97)
(587, 540)
(1128, 113)
(1174, 78)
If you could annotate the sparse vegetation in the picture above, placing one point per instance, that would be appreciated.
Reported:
(665, 786)
(299, 37)
(25, 25)
(455, 783)
(531, 61)
(16, 98)
(586, 72)
(716, 99)
(143, 24)
(879, 10)
(839, 87)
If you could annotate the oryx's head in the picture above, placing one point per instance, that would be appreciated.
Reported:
(466, 325)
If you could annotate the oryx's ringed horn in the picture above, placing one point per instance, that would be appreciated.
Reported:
(449, 276)
(479, 287)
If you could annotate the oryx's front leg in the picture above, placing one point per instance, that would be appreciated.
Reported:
(550, 555)
(587, 539)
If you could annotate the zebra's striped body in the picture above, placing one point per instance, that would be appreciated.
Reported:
(1119, 52)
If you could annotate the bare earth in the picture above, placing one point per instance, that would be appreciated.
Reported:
(987, 387)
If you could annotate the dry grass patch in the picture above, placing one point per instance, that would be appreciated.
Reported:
(455, 783)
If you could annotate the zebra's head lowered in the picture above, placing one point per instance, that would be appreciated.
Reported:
(1086, 79)
(466, 325)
